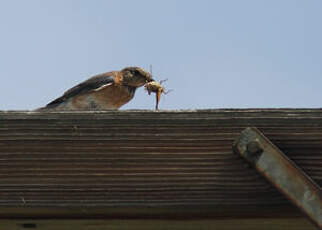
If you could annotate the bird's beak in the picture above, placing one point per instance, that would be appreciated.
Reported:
(150, 80)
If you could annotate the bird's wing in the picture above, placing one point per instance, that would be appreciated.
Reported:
(97, 82)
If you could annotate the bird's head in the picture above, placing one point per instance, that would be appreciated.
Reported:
(135, 76)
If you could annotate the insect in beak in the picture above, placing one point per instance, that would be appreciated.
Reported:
(157, 88)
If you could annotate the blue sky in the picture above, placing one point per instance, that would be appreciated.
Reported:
(215, 54)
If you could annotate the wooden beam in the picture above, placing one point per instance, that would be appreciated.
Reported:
(281, 172)
(158, 224)
(148, 160)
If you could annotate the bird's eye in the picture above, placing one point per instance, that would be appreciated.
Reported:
(135, 72)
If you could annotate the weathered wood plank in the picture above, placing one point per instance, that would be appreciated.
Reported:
(159, 224)
(146, 159)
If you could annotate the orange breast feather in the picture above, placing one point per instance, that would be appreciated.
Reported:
(111, 97)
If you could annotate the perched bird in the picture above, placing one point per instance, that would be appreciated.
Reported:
(105, 91)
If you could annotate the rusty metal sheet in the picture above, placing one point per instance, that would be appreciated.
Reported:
(281, 172)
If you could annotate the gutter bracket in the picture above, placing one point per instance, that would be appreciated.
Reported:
(281, 172)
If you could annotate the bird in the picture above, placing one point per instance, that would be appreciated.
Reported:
(106, 91)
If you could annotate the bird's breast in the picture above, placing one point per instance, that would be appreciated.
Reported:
(111, 97)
